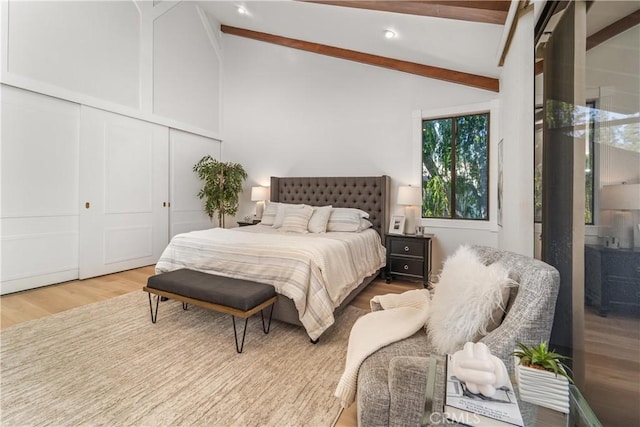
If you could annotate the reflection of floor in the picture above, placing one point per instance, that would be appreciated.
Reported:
(612, 367)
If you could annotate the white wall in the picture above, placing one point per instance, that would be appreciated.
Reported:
(293, 113)
(186, 65)
(517, 101)
(156, 61)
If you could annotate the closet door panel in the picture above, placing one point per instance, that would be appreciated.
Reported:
(39, 176)
(123, 192)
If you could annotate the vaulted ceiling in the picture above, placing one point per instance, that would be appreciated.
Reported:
(456, 41)
(450, 40)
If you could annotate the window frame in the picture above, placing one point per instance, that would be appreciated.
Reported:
(453, 117)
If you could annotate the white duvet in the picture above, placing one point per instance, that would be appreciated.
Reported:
(317, 271)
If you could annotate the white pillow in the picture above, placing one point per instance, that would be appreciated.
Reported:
(364, 224)
(282, 209)
(465, 299)
(296, 219)
(345, 219)
(269, 214)
(319, 219)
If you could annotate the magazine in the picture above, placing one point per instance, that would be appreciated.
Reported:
(464, 407)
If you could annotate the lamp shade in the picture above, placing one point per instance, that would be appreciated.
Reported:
(620, 197)
(410, 196)
(259, 194)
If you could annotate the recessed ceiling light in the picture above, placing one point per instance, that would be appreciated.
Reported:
(242, 10)
(388, 34)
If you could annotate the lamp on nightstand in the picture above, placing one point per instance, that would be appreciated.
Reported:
(259, 194)
(411, 198)
(623, 199)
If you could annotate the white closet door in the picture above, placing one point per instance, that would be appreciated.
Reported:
(39, 190)
(123, 192)
(186, 150)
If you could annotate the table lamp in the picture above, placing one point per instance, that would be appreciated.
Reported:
(411, 198)
(259, 194)
(622, 198)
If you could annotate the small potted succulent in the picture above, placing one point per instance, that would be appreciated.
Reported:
(542, 376)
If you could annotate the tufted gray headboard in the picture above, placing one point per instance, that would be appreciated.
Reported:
(369, 193)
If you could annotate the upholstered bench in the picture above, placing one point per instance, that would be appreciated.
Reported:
(236, 297)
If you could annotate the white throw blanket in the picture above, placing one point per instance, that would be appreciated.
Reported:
(407, 313)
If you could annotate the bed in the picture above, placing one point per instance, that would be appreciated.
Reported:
(315, 274)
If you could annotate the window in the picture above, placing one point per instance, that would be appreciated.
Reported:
(589, 164)
(455, 167)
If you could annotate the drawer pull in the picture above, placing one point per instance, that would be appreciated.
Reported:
(406, 248)
(406, 267)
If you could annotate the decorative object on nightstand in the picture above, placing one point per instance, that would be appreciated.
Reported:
(411, 198)
(245, 223)
(396, 226)
(622, 199)
(408, 256)
(259, 194)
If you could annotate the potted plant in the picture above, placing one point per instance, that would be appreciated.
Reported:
(222, 183)
(542, 376)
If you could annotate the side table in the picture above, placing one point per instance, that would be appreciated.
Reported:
(580, 413)
(408, 256)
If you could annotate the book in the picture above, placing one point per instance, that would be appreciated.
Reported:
(463, 407)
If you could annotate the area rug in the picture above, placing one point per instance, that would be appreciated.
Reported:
(107, 364)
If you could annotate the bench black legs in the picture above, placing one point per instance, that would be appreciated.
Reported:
(154, 316)
(266, 324)
(265, 329)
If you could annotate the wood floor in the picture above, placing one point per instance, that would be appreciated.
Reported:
(612, 344)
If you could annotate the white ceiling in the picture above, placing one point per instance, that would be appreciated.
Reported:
(471, 47)
(457, 45)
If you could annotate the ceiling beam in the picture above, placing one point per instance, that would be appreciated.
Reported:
(473, 80)
(607, 33)
(610, 31)
(491, 12)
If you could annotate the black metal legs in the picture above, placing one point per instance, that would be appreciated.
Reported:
(154, 317)
(235, 334)
(266, 323)
(265, 328)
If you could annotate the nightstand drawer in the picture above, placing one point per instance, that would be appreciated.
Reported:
(410, 247)
(408, 266)
(623, 290)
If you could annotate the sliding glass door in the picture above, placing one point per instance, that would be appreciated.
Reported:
(588, 193)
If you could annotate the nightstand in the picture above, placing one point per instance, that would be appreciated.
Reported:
(408, 256)
(245, 223)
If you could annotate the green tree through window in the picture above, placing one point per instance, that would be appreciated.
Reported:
(455, 167)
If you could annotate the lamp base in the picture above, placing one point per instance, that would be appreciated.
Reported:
(410, 221)
(259, 209)
(623, 229)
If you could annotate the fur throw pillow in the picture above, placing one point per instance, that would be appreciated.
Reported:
(468, 298)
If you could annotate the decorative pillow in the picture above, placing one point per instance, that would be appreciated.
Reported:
(345, 219)
(466, 298)
(319, 219)
(364, 224)
(296, 219)
(282, 209)
(269, 215)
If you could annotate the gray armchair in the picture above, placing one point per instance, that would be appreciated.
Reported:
(392, 381)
